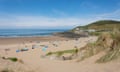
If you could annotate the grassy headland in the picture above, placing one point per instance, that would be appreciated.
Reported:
(102, 25)
(98, 27)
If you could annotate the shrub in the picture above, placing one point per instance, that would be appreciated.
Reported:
(14, 59)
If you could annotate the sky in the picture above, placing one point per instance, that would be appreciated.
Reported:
(56, 13)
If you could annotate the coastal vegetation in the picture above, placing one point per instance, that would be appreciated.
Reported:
(13, 64)
(60, 53)
(114, 49)
(13, 59)
(96, 28)
(108, 42)
(108, 32)
(102, 25)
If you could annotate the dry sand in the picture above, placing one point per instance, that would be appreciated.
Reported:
(33, 61)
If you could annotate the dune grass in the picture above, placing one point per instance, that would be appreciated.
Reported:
(60, 53)
(13, 59)
(114, 52)
(109, 42)
(7, 70)
(112, 55)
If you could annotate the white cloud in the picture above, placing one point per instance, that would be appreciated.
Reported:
(28, 21)
(112, 15)
(40, 21)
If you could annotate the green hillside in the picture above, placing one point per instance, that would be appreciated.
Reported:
(102, 25)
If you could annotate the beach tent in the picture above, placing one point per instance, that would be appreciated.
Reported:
(24, 49)
(17, 51)
(44, 48)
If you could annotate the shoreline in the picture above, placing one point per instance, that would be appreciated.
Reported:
(24, 36)
(17, 40)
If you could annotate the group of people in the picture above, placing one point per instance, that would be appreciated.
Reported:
(44, 47)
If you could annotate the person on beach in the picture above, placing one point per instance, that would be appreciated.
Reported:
(55, 44)
(6, 50)
(76, 50)
(33, 46)
(76, 39)
(63, 57)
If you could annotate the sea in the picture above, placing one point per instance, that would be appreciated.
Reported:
(29, 32)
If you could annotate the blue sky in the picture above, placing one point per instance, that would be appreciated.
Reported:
(56, 13)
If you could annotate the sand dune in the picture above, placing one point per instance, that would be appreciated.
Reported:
(33, 61)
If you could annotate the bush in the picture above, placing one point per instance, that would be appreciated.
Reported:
(49, 53)
(14, 59)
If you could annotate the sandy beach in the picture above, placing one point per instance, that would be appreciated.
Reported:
(32, 60)
(59, 35)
